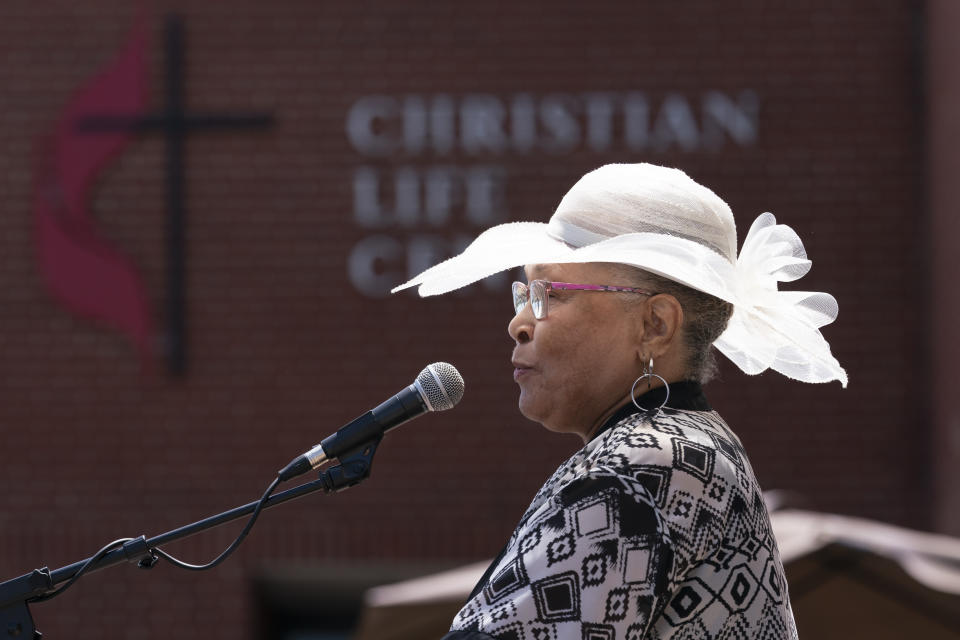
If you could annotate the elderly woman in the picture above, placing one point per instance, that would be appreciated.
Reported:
(656, 528)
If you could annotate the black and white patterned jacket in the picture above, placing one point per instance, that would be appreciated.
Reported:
(655, 529)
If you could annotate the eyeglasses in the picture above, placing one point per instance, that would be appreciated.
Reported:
(538, 294)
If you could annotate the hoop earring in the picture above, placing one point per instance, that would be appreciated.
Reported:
(649, 375)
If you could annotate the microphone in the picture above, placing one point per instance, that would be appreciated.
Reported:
(438, 388)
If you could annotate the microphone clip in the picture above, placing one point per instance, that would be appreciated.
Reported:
(353, 469)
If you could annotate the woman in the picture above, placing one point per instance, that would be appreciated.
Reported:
(656, 528)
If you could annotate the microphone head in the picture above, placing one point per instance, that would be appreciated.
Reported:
(440, 385)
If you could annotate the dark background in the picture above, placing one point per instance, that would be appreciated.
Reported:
(284, 347)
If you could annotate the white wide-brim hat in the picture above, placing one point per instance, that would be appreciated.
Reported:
(660, 220)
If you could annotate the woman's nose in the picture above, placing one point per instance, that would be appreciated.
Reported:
(521, 326)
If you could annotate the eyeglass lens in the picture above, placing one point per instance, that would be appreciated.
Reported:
(538, 299)
(536, 292)
(519, 296)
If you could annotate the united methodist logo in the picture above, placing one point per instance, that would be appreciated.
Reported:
(82, 268)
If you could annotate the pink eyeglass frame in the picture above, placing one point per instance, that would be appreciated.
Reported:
(564, 286)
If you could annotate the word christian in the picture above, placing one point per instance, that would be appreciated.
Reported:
(434, 173)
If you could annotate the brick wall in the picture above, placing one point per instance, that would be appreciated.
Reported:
(943, 158)
(810, 110)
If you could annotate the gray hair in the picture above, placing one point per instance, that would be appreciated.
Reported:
(705, 317)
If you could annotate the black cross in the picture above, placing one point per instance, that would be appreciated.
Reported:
(175, 122)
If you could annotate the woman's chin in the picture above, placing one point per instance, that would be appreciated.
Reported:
(528, 407)
(531, 411)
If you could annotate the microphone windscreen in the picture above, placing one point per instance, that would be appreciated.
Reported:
(441, 385)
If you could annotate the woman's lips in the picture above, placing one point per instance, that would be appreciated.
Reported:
(520, 369)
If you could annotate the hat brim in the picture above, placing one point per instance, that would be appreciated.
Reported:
(515, 244)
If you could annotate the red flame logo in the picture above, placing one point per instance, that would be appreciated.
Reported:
(82, 269)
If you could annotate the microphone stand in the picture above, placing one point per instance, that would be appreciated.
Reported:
(16, 594)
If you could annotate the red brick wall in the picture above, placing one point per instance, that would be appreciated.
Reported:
(284, 347)
(943, 158)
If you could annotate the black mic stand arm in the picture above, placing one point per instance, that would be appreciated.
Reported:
(15, 595)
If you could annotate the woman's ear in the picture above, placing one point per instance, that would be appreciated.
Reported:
(662, 320)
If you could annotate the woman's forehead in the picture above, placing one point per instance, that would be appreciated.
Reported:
(565, 271)
(540, 271)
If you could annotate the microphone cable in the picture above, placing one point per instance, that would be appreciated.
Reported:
(116, 544)
(233, 545)
(160, 553)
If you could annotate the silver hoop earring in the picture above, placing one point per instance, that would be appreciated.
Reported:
(648, 374)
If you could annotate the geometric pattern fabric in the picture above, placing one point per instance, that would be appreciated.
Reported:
(655, 529)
